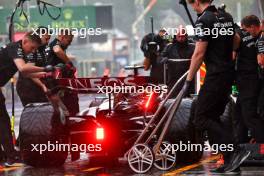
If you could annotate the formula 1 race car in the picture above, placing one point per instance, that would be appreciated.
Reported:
(109, 126)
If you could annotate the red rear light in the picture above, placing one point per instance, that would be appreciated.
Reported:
(149, 100)
(100, 133)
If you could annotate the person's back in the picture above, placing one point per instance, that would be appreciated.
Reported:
(247, 64)
(218, 58)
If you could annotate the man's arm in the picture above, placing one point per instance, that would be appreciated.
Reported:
(61, 54)
(261, 60)
(197, 58)
(146, 63)
(236, 45)
(26, 68)
(260, 50)
(40, 84)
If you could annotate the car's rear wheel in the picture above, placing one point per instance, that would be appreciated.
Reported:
(43, 128)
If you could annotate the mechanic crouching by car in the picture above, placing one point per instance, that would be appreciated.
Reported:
(216, 52)
(152, 45)
(56, 52)
(248, 83)
(12, 59)
(37, 93)
(180, 51)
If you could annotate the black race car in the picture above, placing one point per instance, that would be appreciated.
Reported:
(108, 127)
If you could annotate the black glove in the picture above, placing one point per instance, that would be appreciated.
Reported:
(69, 64)
(49, 68)
(186, 88)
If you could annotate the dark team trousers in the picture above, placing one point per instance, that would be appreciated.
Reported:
(29, 92)
(5, 129)
(261, 100)
(211, 103)
(246, 109)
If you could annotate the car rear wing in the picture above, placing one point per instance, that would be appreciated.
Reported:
(97, 85)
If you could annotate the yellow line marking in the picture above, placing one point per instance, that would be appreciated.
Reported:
(92, 169)
(186, 168)
(8, 169)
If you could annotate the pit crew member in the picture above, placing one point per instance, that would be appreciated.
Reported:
(12, 60)
(179, 49)
(152, 54)
(248, 82)
(56, 52)
(36, 87)
(214, 32)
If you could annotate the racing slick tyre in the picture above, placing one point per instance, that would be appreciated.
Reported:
(42, 133)
(182, 131)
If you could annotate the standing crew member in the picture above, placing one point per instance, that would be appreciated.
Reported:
(12, 60)
(57, 55)
(179, 49)
(214, 31)
(152, 52)
(260, 46)
(36, 87)
(248, 83)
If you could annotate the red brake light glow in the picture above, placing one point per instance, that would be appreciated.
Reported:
(149, 99)
(100, 133)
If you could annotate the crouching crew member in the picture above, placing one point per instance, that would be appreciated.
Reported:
(32, 90)
(12, 59)
(216, 52)
(56, 52)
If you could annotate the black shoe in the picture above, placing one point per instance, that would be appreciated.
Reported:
(10, 163)
(13, 162)
(221, 170)
(239, 157)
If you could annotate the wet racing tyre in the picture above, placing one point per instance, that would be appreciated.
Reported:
(182, 130)
(42, 127)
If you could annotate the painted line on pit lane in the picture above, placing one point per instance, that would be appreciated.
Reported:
(4, 169)
(192, 166)
(92, 169)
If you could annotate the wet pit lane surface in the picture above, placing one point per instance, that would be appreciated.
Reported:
(83, 167)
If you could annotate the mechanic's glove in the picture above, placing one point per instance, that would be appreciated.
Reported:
(69, 64)
(49, 68)
(186, 88)
(70, 69)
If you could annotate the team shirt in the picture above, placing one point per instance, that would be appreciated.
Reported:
(8, 54)
(217, 28)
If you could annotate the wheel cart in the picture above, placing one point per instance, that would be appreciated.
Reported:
(150, 149)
